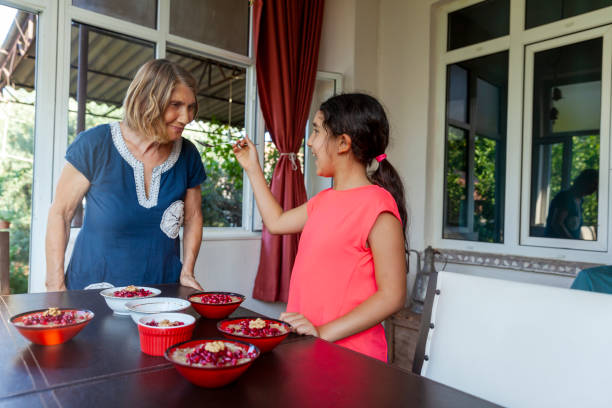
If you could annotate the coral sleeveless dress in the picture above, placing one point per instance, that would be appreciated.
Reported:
(334, 270)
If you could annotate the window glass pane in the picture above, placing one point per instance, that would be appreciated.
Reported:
(143, 12)
(487, 205)
(483, 21)
(578, 106)
(221, 99)
(475, 151)
(17, 99)
(458, 94)
(538, 12)
(487, 108)
(104, 70)
(223, 24)
(456, 182)
(565, 139)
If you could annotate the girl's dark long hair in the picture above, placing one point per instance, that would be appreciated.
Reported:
(363, 118)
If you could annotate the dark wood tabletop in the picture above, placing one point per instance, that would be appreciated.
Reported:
(103, 366)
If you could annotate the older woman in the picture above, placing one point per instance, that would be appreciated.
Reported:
(141, 179)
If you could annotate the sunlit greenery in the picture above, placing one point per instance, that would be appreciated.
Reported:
(16, 153)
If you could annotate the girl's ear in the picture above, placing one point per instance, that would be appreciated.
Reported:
(343, 143)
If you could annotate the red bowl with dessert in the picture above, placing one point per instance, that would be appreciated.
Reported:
(215, 305)
(212, 363)
(51, 326)
(262, 332)
(159, 331)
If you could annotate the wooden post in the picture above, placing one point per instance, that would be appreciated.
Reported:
(77, 219)
(5, 288)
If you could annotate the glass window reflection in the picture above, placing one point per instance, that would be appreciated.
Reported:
(565, 141)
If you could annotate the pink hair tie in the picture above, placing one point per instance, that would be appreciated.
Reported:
(381, 157)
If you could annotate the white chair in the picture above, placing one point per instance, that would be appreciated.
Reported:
(517, 344)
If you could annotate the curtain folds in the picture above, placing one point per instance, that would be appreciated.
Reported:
(287, 35)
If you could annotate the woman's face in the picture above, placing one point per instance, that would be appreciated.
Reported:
(180, 111)
(318, 144)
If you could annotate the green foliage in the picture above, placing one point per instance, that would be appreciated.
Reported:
(585, 155)
(486, 177)
(222, 190)
(455, 178)
(17, 129)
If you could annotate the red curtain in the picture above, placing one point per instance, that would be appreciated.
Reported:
(287, 34)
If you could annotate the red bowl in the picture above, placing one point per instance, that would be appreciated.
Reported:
(215, 311)
(263, 343)
(210, 377)
(48, 336)
(155, 340)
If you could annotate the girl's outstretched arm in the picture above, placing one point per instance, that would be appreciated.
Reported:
(275, 219)
(387, 243)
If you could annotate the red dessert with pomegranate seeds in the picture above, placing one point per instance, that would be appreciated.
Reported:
(216, 299)
(52, 317)
(257, 328)
(165, 323)
(213, 354)
(131, 292)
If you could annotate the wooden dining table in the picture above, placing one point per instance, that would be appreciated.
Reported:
(103, 366)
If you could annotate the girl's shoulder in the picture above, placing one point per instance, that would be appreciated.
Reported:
(371, 196)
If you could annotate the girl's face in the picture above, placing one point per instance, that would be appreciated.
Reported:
(180, 111)
(318, 144)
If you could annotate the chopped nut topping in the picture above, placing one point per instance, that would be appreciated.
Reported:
(257, 324)
(214, 346)
(130, 288)
(53, 311)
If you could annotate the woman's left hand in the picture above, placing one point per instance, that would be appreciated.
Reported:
(189, 280)
(300, 324)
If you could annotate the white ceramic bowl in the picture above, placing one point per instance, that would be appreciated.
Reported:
(181, 317)
(117, 304)
(148, 306)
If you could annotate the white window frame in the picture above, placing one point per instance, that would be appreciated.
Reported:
(515, 42)
(601, 244)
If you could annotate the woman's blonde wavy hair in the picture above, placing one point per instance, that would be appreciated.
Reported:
(149, 94)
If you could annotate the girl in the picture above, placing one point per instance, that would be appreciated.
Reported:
(350, 270)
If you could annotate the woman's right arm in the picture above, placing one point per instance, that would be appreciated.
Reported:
(275, 219)
(71, 189)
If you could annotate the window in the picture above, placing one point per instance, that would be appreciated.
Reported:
(539, 12)
(223, 24)
(522, 121)
(81, 55)
(565, 87)
(475, 148)
(143, 12)
(482, 21)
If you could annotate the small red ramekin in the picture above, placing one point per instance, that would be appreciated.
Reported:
(155, 340)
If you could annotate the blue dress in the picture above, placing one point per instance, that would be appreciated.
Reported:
(127, 237)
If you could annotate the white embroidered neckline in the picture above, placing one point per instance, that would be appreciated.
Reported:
(138, 167)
